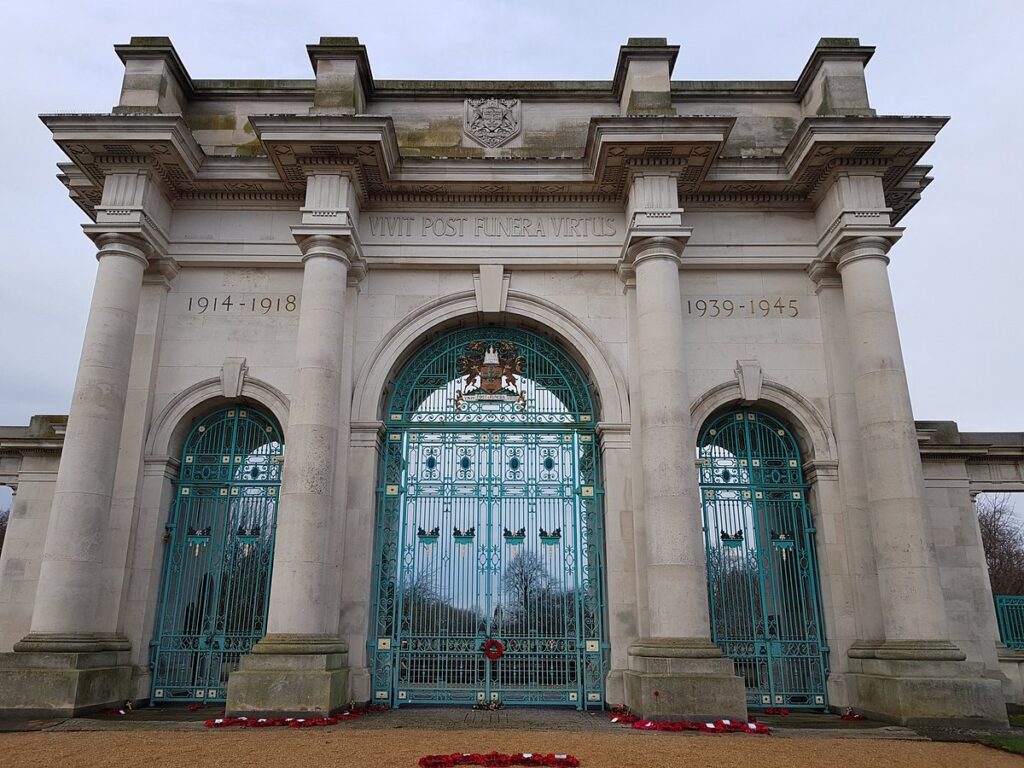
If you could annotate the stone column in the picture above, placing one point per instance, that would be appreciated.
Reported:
(620, 554)
(912, 606)
(301, 665)
(307, 483)
(676, 571)
(846, 553)
(72, 660)
(916, 675)
(677, 660)
(127, 531)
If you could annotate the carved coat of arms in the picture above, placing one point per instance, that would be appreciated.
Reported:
(490, 372)
(493, 122)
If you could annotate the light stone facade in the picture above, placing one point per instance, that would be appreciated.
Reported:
(367, 216)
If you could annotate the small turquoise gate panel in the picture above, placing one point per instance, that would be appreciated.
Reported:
(762, 571)
(217, 565)
(489, 530)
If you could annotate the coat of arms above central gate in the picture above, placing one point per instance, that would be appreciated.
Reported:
(493, 122)
(491, 372)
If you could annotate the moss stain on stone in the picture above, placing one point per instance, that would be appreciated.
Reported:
(253, 148)
(759, 136)
(564, 139)
(211, 122)
(336, 95)
(650, 103)
(825, 108)
(446, 132)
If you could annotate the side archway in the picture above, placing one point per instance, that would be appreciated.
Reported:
(171, 426)
(763, 581)
(220, 535)
(808, 426)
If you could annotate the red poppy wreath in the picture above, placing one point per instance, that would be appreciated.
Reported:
(493, 649)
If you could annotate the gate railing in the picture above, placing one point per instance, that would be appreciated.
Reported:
(1010, 614)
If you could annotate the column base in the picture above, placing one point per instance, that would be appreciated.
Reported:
(1011, 664)
(290, 675)
(683, 679)
(63, 675)
(922, 683)
(615, 687)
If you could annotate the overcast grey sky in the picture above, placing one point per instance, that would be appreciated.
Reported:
(957, 274)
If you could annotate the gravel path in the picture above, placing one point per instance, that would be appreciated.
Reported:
(401, 747)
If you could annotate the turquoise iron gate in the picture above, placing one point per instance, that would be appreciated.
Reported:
(1010, 615)
(489, 529)
(216, 579)
(762, 571)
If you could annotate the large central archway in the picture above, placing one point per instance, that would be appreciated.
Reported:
(488, 571)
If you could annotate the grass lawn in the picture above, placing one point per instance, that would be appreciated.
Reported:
(1013, 744)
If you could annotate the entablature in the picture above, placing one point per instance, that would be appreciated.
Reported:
(365, 148)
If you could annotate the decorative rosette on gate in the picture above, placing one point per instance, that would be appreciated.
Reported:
(493, 649)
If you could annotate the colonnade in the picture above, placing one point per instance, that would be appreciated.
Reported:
(301, 664)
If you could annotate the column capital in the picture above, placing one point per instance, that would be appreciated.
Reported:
(366, 434)
(859, 248)
(824, 275)
(646, 248)
(613, 435)
(122, 244)
(132, 204)
(343, 247)
(161, 271)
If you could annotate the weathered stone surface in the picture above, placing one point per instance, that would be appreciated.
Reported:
(321, 230)
(927, 693)
(291, 674)
(63, 684)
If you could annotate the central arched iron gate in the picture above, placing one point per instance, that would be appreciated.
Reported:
(489, 528)
(762, 571)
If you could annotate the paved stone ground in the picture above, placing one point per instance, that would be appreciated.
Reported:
(797, 724)
(388, 742)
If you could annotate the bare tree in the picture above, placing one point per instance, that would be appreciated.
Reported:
(527, 579)
(1002, 536)
(5, 516)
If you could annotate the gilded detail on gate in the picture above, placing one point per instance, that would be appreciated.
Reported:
(493, 122)
(491, 372)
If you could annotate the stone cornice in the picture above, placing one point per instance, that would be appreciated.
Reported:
(943, 439)
(365, 148)
(825, 146)
(99, 144)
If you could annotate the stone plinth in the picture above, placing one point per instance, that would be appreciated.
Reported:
(55, 676)
(290, 675)
(926, 683)
(683, 679)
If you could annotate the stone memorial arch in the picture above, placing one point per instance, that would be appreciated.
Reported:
(552, 394)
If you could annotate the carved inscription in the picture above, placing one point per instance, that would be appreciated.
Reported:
(754, 306)
(485, 227)
(240, 303)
